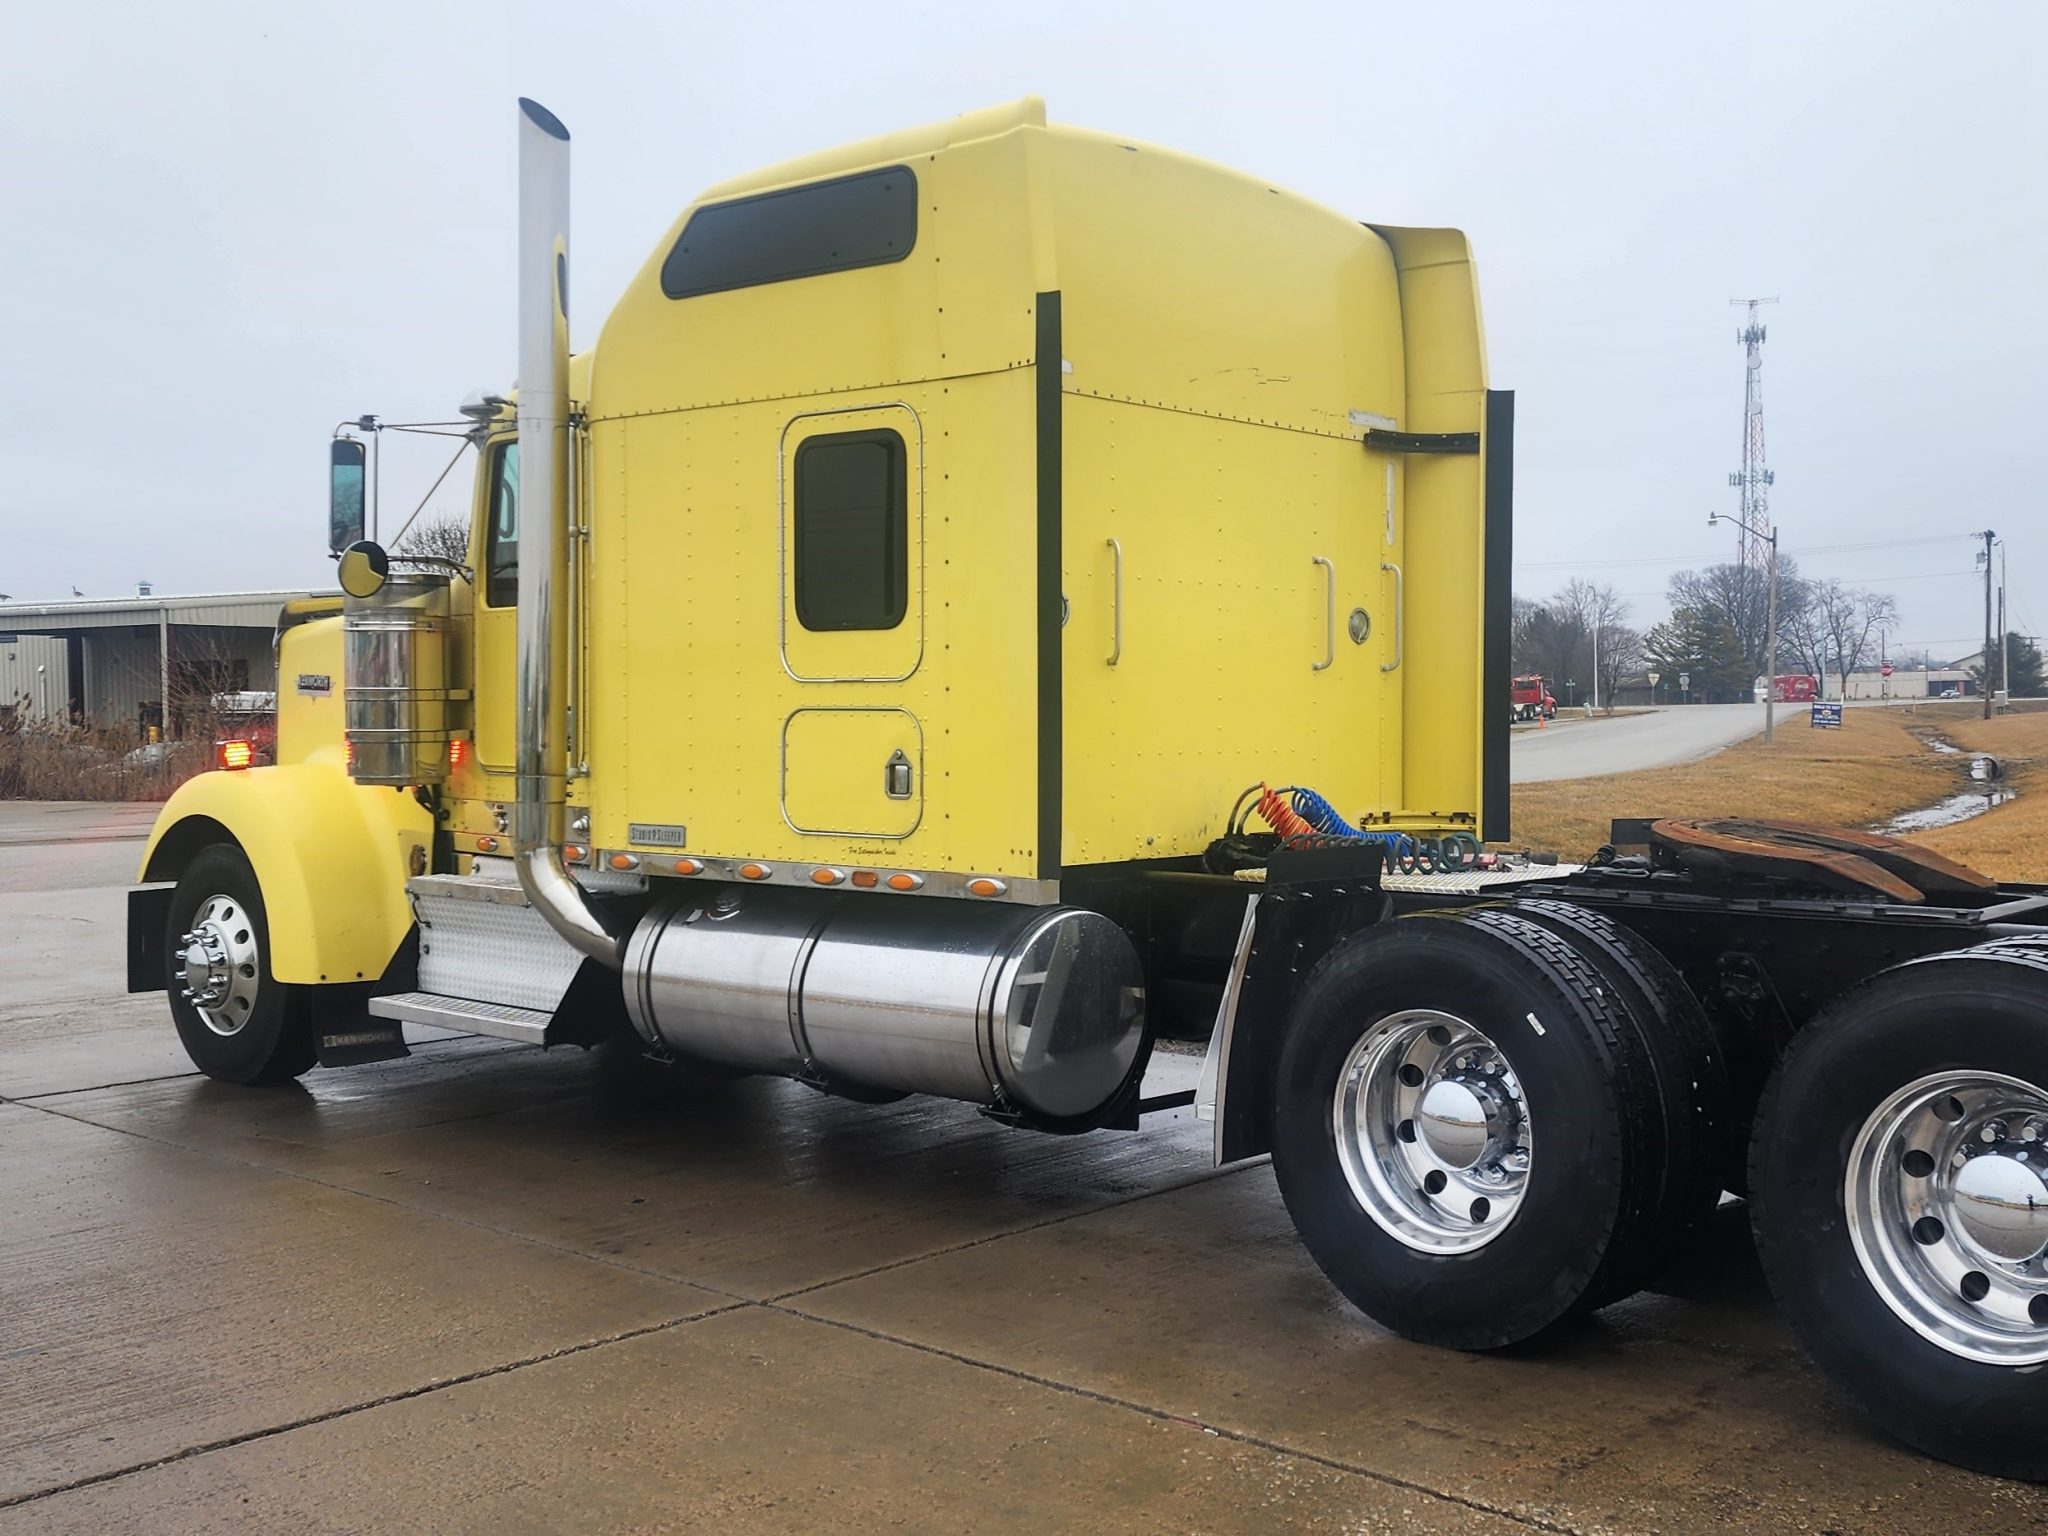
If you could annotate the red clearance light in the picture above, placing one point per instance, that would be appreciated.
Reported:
(458, 751)
(234, 754)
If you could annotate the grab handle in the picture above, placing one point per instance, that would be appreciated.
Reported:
(1329, 614)
(1399, 609)
(1116, 612)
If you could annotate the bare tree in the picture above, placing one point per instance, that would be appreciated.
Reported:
(1622, 655)
(1741, 596)
(1851, 617)
(439, 538)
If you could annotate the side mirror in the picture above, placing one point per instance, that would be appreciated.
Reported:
(363, 568)
(344, 494)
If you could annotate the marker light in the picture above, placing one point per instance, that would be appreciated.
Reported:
(866, 879)
(689, 866)
(624, 861)
(903, 882)
(983, 886)
(487, 844)
(575, 853)
(823, 876)
(234, 754)
(756, 871)
(458, 752)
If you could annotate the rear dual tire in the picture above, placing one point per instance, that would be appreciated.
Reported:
(1422, 1064)
(1901, 1204)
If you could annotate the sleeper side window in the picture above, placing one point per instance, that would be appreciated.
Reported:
(501, 529)
(852, 560)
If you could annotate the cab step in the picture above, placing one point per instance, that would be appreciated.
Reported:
(468, 1014)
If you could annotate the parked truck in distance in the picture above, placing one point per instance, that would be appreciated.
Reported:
(955, 627)
(1793, 688)
(1532, 699)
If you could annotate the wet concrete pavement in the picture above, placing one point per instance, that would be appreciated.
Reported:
(486, 1289)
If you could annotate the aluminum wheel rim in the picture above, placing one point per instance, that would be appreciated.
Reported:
(1432, 1132)
(219, 960)
(1947, 1199)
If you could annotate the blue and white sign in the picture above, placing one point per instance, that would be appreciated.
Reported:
(1827, 717)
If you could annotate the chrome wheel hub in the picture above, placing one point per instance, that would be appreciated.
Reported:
(1432, 1131)
(218, 957)
(1947, 1199)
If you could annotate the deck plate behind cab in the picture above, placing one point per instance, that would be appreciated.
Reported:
(1840, 858)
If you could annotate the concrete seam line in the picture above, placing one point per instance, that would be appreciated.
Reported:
(173, 1077)
(396, 1204)
(1238, 1437)
(1206, 1176)
(229, 1442)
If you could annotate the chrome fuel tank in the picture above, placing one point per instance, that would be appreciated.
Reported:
(1038, 1008)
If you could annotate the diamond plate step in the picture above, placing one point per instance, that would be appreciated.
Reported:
(466, 1014)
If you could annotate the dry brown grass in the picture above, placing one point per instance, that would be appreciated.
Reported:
(1869, 771)
(2010, 842)
(49, 761)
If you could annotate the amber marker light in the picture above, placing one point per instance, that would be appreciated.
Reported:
(866, 879)
(983, 886)
(624, 861)
(487, 844)
(902, 882)
(823, 876)
(574, 852)
(689, 866)
(234, 754)
(756, 871)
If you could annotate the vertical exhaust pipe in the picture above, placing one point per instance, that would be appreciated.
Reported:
(540, 763)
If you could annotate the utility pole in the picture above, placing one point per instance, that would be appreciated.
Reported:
(1988, 535)
(2004, 632)
(1770, 622)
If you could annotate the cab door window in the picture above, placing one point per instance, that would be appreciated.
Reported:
(501, 529)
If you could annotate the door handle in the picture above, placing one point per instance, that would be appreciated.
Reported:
(1329, 614)
(1116, 610)
(1399, 609)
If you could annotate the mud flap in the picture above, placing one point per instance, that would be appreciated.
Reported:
(149, 912)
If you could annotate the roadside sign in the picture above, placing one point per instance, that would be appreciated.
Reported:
(1827, 717)
(1653, 678)
(1886, 669)
(1685, 681)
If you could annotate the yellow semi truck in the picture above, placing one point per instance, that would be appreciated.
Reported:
(997, 596)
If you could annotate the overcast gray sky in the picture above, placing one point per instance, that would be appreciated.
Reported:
(229, 225)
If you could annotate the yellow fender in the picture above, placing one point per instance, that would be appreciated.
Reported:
(331, 857)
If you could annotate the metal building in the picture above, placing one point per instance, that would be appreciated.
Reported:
(114, 662)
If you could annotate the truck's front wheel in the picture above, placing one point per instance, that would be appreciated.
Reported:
(238, 1023)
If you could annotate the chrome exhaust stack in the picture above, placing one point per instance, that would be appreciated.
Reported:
(540, 761)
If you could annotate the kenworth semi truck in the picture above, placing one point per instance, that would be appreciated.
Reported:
(995, 597)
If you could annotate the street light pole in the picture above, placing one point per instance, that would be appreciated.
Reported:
(1770, 619)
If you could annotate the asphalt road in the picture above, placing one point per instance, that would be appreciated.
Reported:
(481, 1289)
(1572, 747)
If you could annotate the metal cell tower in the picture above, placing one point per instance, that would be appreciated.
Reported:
(1753, 480)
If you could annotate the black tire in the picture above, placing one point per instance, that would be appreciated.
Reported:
(1582, 1072)
(1974, 1010)
(1693, 1097)
(274, 1044)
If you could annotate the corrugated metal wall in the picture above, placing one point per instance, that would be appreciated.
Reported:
(124, 680)
(33, 680)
